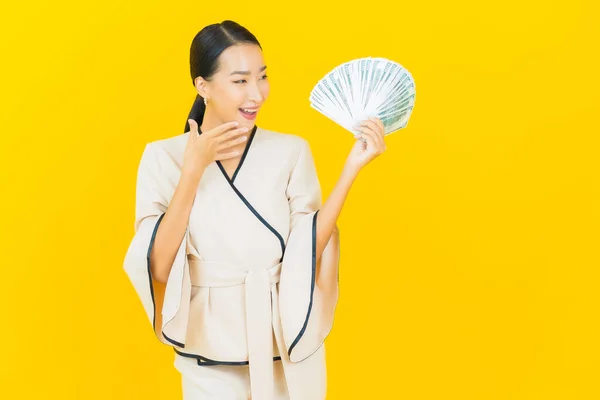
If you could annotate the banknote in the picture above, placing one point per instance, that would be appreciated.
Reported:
(369, 86)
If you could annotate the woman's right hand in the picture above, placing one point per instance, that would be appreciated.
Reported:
(212, 145)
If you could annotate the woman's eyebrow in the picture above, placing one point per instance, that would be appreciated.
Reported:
(247, 72)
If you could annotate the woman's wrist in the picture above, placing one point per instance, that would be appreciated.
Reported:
(349, 172)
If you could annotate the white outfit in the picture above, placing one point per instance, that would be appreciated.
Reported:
(246, 292)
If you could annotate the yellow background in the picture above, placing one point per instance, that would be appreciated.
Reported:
(469, 249)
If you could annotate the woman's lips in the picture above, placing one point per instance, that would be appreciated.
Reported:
(247, 115)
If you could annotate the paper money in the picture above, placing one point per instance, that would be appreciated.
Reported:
(365, 87)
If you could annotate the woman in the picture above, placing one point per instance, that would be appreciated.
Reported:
(234, 257)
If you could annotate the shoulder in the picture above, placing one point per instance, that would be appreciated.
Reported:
(168, 151)
(172, 144)
(162, 159)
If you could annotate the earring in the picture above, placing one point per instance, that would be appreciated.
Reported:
(205, 102)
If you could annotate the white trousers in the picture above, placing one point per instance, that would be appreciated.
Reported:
(223, 382)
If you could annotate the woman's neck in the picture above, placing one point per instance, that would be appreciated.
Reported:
(210, 121)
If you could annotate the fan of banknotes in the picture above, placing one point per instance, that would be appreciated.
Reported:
(363, 88)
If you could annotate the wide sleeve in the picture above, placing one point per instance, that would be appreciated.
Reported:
(165, 305)
(308, 287)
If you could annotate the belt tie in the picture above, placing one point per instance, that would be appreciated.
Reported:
(258, 283)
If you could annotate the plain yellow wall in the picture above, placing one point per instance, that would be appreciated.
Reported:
(469, 249)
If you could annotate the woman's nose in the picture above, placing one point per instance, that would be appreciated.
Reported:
(255, 94)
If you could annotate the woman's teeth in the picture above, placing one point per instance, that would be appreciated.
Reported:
(248, 114)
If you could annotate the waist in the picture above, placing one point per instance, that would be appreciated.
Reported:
(218, 274)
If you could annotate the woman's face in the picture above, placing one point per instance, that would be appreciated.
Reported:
(239, 87)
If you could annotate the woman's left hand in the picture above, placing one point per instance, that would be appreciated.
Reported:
(372, 132)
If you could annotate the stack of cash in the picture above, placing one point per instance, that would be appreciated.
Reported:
(363, 88)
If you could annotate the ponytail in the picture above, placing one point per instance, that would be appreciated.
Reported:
(196, 113)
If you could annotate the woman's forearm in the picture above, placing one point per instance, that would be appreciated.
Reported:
(332, 208)
(172, 228)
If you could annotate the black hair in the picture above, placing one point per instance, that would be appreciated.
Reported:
(207, 46)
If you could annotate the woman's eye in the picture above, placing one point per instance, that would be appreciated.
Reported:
(243, 80)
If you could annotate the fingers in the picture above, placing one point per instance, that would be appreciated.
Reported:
(375, 128)
(368, 130)
(231, 143)
(369, 140)
(193, 130)
(380, 131)
(367, 136)
(226, 136)
(193, 125)
(222, 128)
(380, 124)
(227, 155)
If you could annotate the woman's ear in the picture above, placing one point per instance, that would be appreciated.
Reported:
(200, 84)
